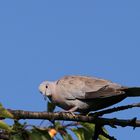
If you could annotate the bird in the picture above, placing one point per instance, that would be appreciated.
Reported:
(75, 93)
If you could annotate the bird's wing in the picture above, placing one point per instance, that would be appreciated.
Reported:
(83, 87)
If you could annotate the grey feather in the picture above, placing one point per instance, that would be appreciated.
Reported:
(84, 94)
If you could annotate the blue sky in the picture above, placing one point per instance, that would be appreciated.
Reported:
(45, 40)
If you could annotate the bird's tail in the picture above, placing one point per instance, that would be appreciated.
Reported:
(132, 91)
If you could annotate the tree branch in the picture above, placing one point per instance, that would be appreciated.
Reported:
(20, 114)
(115, 109)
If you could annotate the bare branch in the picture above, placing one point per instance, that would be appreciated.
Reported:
(20, 114)
(115, 109)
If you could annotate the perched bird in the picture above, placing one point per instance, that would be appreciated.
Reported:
(84, 94)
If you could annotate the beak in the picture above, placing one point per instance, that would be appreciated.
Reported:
(45, 97)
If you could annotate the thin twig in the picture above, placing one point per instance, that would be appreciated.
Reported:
(115, 109)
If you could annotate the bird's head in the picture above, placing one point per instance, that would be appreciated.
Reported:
(45, 88)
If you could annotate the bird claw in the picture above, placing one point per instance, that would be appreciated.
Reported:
(69, 112)
(72, 113)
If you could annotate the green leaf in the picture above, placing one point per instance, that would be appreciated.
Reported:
(58, 125)
(18, 127)
(101, 137)
(66, 136)
(88, 130)
(43, 133)
(16, 137)
(89, 126)
(35, 136)
(51, 107)
(82, 133)
(5, 126)
(5, 113)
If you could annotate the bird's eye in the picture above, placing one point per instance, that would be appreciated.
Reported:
(46, 86)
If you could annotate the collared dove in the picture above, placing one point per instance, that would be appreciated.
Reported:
(85, 94)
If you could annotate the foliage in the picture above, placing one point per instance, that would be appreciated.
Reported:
(53, 130)
(5, 113)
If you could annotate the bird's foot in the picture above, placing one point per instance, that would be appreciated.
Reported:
(68, 112)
